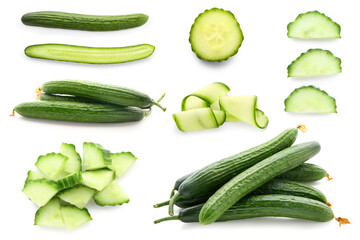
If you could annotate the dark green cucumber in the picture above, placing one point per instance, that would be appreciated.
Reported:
(100, 92)
(79, 112)
(253, 177)
(264, 206)
(306, 172)
(53, 19)
(51, 97)
(91, 55)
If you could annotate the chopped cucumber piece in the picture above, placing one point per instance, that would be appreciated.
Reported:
(98, 179)
(74, 217)
(309, 99)
(51, 164)
(95, 156)
(314, 62)
(70, 180)
(215, 35)
(79, 195)
(111, 195)
(195, 119)
(120, 162)
(73, 164)
(32, 175)
(313, 25)
(40, 191)
(49, 214)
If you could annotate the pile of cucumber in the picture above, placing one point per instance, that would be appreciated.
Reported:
(64, 183)
(84, 101)
(263, 181)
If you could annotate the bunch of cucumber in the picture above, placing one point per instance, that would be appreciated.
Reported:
(84, 101)
(263, 181)
(64, 183)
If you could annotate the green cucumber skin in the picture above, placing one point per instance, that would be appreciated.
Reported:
(306, 172)
(213, 176)
(100, 92)
(254, 177)
(79, 112)
(64, 20)
(49, 97)
(267, 206)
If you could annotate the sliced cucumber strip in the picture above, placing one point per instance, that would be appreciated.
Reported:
(120, 162)
(243, 108)
(74, 217)
(79, 195)
(111, 195)
(40, 191)
(95, 156)
(195, 119)
(314, 62)
(70, 180)
(51, 164)
(215, 35)
(309, 99)
(49, 214)
(98, 179)
(32, 175)
(313, 25)
(73, 164)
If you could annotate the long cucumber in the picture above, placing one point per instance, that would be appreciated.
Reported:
(53, 97)
(254, 177)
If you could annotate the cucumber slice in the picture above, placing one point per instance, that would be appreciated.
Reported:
(51, 164)
(74, 217)
(243, 108)
(215, 35)
(73, 164)
(49, 214)
(95, 156)
(112, 195)
(32, 175)
(195, 119)
(120, 162)
(98, 179)
(70, 180)
(79, 195)
(309, 99)
(40, 191)
(314, 62)
(313, 25)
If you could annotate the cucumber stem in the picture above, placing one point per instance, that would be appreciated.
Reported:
(148, 112)
(340, 220)
(301, 127)
(329, 204)
(328, 177)
(172, 202)
(13, 113)
(158, 104)
(38, 92)
(172, 192)
(162, 204)
(166, 219)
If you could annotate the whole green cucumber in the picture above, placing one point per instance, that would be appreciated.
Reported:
(53, 19)
(264, 206)
(50, 97)
(253, 177)
(306, 172)
(100, 92)
(79, 112)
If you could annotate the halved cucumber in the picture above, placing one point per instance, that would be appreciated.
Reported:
(215, 35)
(313, 25)
(120, 162)
(111, 195)
(314, 62)
(49, 214)
(40, 191)
(98, 179)
(70, 180)
(79, 195)
(309, 99)
(51, 164)
(95, 156)
(74, 217)
(73, 164)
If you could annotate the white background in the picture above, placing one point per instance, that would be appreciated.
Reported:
(163, 152)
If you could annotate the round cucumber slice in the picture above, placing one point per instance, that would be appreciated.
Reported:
(215, 35)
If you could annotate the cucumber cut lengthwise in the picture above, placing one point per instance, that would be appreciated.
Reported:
(95, 156)
(313, 25)
(49, 214)
(215, 35)
(91, 55)
(315, 62)
(53, 19)
(74, 217)
(111, 195)
(309, 99)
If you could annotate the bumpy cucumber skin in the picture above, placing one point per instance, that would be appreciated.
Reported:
(53, 19)
(254, 177)
(311, 12)
(306, 172)
(50, 97)
(266, 206)
(100, 92)
(70, 181)
(79, 112)
(218, 59)
(213, 176)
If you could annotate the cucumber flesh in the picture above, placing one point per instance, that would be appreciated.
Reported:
(91, 55)
(315, 62)
(309, 99)
(313, 25)
(112, 195)
(32, 175)
(73, 164)
(74, 217)
(98, 179)
(49, 214)
(215, 35)
(40, 191)
(120, 162)
(95, 156)
(195, 119)
(79, 195)
(51, 164)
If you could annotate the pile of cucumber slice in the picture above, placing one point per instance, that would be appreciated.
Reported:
(64, 183)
